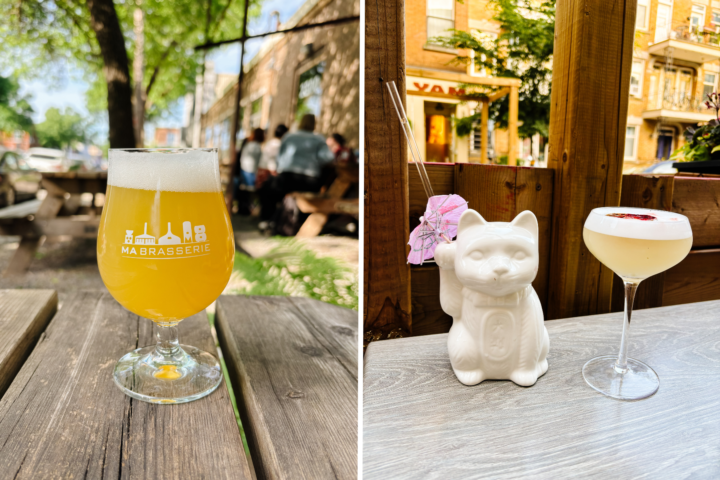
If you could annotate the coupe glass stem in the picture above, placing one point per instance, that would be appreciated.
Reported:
(630, 289)
(167, 340)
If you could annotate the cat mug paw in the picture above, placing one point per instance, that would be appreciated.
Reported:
(486, 276)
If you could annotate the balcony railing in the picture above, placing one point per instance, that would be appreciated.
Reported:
(701, 35)
(679, 101)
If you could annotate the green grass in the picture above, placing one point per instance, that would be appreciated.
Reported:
(290, 269)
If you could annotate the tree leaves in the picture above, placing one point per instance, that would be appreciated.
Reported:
(15, 110)
(61, 129)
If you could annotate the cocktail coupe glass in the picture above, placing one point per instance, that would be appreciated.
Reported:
(635, 243)
(165, 252)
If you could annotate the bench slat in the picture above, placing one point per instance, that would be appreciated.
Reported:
(63, 417)
(24, 314)
(293, 363)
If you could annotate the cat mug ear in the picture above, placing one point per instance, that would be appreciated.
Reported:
(528, 221)
(469, 219)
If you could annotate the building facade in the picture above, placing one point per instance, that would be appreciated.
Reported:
(676, 63)
(167, 137)
(309, 71)
(434, 95)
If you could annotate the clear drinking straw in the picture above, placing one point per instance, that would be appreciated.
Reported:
(414, 149)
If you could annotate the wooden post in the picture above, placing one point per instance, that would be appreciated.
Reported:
(513, 126)
(387, 274)
(590, 89)
(484, 131)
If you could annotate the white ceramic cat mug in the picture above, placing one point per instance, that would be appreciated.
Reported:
(498, 329)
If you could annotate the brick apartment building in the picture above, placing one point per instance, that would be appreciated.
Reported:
(309, 71)
(676, 62)
(167, 137)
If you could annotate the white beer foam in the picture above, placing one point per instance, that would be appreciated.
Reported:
(668, 226)
(167, 170)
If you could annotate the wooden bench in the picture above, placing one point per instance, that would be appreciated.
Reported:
(61, 415)
(419, 421)
(59, 213)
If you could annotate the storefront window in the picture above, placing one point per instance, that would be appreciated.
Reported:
(438, 131)
(310, 91)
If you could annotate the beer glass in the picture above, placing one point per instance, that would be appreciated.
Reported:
(635, 243)
(165, 252)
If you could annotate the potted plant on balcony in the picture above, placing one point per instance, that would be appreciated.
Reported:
(701, 151)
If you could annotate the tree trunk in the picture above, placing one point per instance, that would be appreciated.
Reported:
(104, 21)
(138, 71)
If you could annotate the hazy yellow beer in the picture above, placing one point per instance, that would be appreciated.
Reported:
(165, 249)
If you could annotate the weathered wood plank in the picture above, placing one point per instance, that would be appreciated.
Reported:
(293, 364)
(24, 314)
(588, 114)
(63, 417)
(699, 200)
(695, 279)
(499, 193)
(420, 422)
(386, 279)
(644, 191)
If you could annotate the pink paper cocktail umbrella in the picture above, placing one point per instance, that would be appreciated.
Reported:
(439, 223)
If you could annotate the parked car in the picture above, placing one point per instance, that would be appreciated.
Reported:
(47, 160)
(662, 167)
(18, 181)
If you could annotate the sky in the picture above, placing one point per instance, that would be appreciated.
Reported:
(71, 93)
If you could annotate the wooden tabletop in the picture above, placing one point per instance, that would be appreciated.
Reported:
(294, 362)
(63, 417)
(420, 422)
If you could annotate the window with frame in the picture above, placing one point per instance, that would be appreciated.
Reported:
(630, 141)
(697, 18)
(636, 79)
(309, 99)
(715, 17)
(643, 14)
(170, 139)
(440, 19)
(709, 82)
(256, 113)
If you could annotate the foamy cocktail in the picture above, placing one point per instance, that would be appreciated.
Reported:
(165, 252)
(635, 243)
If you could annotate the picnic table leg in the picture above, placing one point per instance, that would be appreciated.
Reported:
(49, 208)
(313, 225)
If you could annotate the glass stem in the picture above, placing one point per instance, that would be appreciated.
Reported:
(630, 289)
(167, 340)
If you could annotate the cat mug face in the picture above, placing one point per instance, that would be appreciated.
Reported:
(496, 258)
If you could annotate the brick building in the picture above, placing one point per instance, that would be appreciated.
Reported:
(309, 71)
(676, 62)
(430, 69)
(167, 137)
(17, 141)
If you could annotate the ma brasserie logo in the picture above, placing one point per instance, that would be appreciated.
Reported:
(193, 244)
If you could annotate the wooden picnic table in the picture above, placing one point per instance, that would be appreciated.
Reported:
(61, 415)
(420, 422)
(59, 213)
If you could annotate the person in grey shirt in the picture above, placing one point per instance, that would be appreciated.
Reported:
(299, 164)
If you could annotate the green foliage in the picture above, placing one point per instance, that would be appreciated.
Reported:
(15, 110)
(292, 270)
(523, 50)
(54, 37)
(61, 129)
(701, 143)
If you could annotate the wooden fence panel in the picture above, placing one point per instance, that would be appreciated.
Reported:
(442, 179)
(698, 198)
(695, 279)
(428, 316)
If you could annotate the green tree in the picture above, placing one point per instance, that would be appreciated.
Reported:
(523, 50)
(97, 37)
(61, 129)
(15, 110)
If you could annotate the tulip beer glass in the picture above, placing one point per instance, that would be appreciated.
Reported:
(635, 243)
(165, 252)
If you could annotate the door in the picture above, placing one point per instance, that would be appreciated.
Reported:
(665, 142)
(662, 25)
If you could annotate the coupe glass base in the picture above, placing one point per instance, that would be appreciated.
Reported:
(638, 382)
(188, 375)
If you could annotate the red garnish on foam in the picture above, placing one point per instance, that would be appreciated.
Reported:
(633, 216)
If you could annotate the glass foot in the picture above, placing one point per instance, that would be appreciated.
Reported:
(638, 382)
(186, 375)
